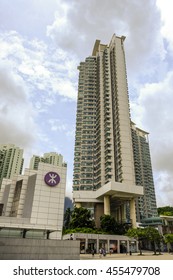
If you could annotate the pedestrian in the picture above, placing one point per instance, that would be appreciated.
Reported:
(71, 236)
(104, 252)
(100, 252)
(92, 252)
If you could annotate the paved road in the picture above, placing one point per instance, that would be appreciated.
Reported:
(134, 256)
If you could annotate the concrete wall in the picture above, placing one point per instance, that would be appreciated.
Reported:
(34, 249)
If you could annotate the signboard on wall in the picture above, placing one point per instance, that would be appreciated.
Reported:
(52, 179)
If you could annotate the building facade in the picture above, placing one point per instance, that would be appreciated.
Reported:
(145, 205)
(50, 158)
(32, 204)
(110, 243)
(11, 161)
(104, 170)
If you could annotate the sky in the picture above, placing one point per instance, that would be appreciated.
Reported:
(41, 44)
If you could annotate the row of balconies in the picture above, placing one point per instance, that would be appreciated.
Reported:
(108, 152)
(86, 175)
(108, 158)
(86, 169)
(106, 99)
(108, 170)
(87, 134)
(86, 187)
(86, 157)
(89, 108)
(107, 140)
(84, 163)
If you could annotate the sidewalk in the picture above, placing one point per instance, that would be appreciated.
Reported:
(134, 256)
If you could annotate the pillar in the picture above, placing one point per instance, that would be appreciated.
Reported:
(86, 243)
(116, 215)
(97, 251)
(123, 213)
(137, 247)
(119, 212)
(107, 205)
(133, 212)
(108, 245)
(118, 246)
(128, 246)
(98, 212)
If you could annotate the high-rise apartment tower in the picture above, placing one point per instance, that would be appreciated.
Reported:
(104, 171)
(50, 158)
(145, 205)
(11, 161)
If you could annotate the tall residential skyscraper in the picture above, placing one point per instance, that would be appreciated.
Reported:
(104, 170)
(11, 161)
(145, 205)
(51, 158)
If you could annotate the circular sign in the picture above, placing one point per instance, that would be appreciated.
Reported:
(52, 179)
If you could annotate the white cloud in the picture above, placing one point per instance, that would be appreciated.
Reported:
(41, 67)
(16, 112)
(164, 188)
(153, 110)
(167, 19)
(43, 71)
(57, 125)
(65, 88)
(77, 25)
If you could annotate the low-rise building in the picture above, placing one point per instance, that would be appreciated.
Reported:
(11, 161)
(110, 243)
(32, 205)
(163, 223)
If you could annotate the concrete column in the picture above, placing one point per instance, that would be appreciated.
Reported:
(97, 245)
(86, 243)
(117, 215)
(128, 246)
(108, 244)
(160, 229)
(98, 212)
(137, 247)
(133, 212)
(107, 205)
(120, 214)
(118, 246)
(123, 212)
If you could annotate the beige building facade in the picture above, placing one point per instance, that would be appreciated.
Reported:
(32, 205)
(110, 243)
(104, 172)
(11, 161)
(50, 158)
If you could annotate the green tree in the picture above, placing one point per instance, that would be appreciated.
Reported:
(109, 225)
(81, 218)
(154, 236)
(166, 210)
(168, 238)
(67, 218)
(138, 234)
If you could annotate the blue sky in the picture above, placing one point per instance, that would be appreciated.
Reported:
(43, 42)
